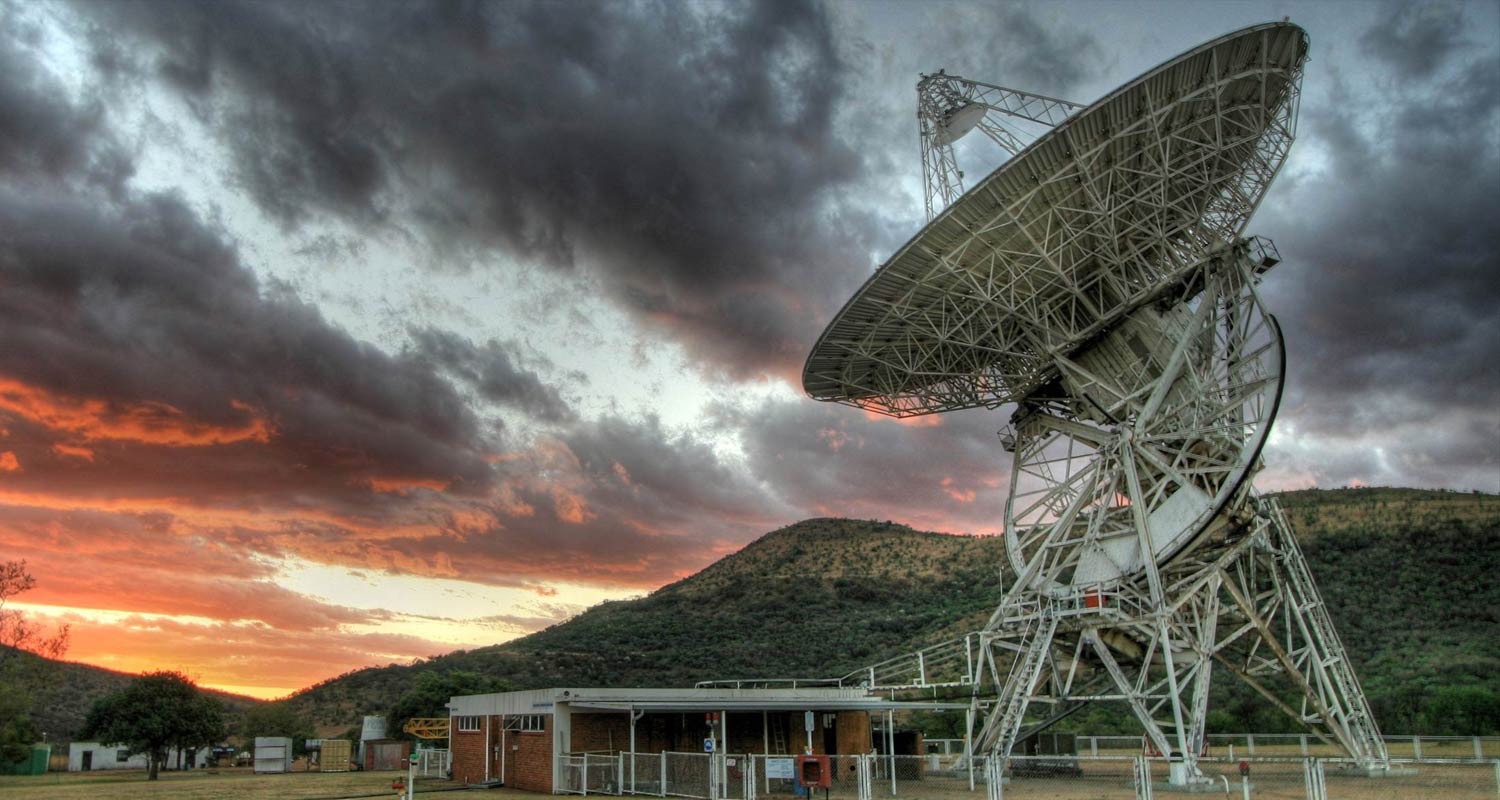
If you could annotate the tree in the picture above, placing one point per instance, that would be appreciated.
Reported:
(1463, 711)
(277, 719)
(430, 695)
(17, 632)
(156, 711)
(16, 731)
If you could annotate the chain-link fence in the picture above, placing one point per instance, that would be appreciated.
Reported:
(776, 776)
(1062, 776)
(1241, 745)
(590, 773)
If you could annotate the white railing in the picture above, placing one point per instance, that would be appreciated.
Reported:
(947, 664)
(434, 761)
(870, 776)
(590, 773)
(1232, 745)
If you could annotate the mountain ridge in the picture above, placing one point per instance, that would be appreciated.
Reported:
(1405, 573)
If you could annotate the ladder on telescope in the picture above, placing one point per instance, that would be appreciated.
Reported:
(1004, 723)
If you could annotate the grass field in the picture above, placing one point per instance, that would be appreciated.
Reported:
(1113, 780)
(1104, 780)
(221, 784)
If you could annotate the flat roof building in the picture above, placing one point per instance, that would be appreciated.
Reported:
(536, 739)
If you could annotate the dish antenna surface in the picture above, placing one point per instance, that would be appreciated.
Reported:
(1100, 280)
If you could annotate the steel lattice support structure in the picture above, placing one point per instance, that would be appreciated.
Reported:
(1105, 214)
(1102, 281)
(946, 102)
(1247, 604)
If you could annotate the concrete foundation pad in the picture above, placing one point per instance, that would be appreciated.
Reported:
(1370, 772)
(1197, 787)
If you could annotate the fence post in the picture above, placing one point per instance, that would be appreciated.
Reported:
(969, 759)
(1497, 777)
(620, 772)
(661, 785)
(1416, 746)
(1094, 746)
(890, 746)
(1478, 750)
(1304, 744)
(1250, 742)
(1143, 789)
(1312, 777)
(583, 780)
(994, 778)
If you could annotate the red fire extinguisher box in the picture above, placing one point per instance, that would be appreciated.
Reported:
(814, 772)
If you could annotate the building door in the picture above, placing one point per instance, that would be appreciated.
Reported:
(830, 737)
(497, 752)
(88, 760)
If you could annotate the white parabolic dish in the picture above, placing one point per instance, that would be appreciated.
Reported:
(1067, 238)
(959, 123)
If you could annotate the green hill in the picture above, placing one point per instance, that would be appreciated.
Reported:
(62, 691)
(1407, 574)
(820, 597)
(1409, 578)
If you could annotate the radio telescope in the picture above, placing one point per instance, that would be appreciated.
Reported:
(1101, 281)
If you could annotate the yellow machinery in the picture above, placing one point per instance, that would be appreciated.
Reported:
(427, 727)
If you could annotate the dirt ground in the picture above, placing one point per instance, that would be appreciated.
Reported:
(221, 784)
(1268, 781)
(1099, 781)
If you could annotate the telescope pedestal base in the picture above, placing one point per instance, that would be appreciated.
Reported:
(1372, 771)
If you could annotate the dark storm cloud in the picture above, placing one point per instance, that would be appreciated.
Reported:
(656, 476)
(1391, 294)
(43, 133)
(612, 501)
(684, 153)
(1034, 49)
(938, 473)
(1417, 38)
(132, 329)
(142, 308)
(126, 318)
(148, 374)
(491, 370)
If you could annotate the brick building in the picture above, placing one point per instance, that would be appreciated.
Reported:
(514, 738)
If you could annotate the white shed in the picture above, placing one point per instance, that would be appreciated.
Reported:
(273, 754)
(90, 756)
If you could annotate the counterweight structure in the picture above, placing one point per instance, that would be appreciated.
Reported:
(1101, 281)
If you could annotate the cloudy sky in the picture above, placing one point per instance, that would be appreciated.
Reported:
(336, 334)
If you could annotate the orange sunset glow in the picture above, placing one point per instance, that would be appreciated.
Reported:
(335, 340)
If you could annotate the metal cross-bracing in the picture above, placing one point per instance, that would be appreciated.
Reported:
(1101, 281)
(1246, 603)
(948, 107)
(1149, 434)
(1131, 523)
(1112, 208)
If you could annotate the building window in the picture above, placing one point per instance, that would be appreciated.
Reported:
(121, 756)
(526, 722)
(467, 724)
